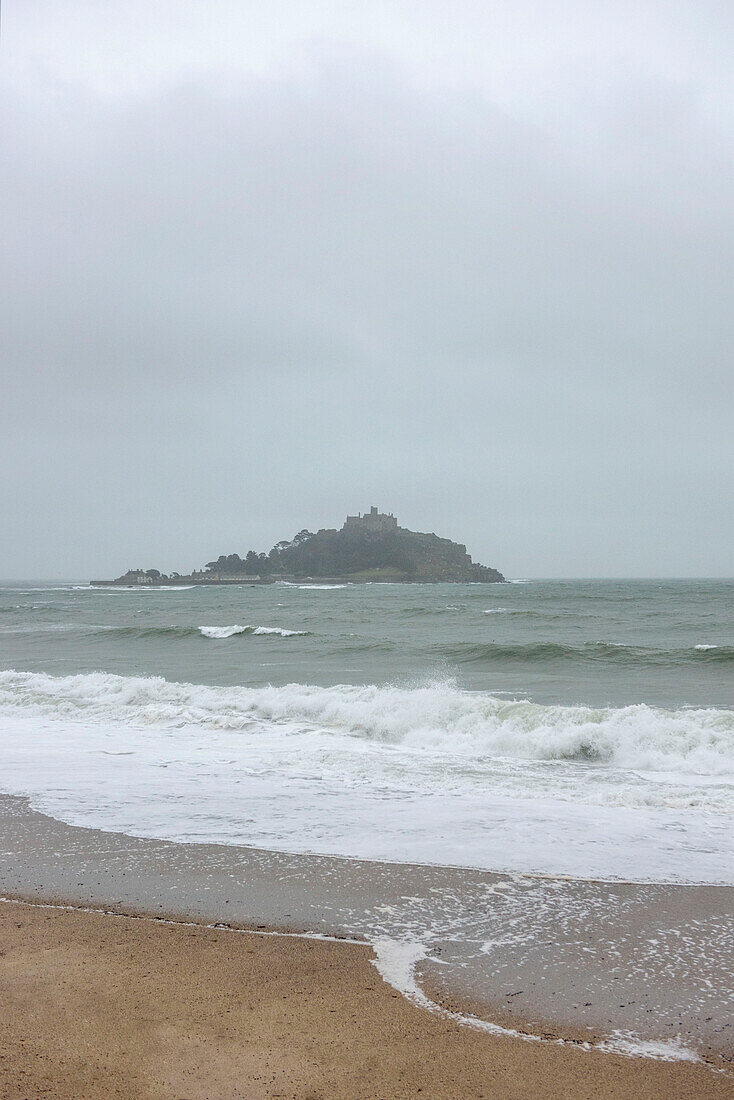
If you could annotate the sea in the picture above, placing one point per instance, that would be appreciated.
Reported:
(580, 728)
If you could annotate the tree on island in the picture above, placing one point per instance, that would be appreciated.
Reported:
(227, 563)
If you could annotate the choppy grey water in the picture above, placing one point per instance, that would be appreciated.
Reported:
(581, 727)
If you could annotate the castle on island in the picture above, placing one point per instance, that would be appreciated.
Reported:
(371, 521)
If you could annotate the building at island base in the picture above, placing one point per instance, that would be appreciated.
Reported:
(135, 577)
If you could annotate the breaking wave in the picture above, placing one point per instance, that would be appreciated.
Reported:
(434, 718)
(231, 631)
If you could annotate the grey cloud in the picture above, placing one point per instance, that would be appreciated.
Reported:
(230, 311)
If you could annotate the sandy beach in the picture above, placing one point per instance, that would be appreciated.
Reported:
(114, 983)
(104, 1006)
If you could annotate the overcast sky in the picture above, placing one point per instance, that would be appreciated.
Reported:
(264, 263)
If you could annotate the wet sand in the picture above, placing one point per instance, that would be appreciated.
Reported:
(582, 961)
(100, 1006)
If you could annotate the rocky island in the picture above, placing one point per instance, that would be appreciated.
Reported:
(367, 548)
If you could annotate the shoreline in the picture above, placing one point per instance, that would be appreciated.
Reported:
(466, 1015)
(657, 960)
(125, 1008)
(292, 581)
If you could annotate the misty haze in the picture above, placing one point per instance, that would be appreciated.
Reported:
(366, 608)
(474, 266)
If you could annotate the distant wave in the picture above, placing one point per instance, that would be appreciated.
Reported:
(314, 587)
(145, 631)
(231, 631)
(12, 609)
(438, 717)
(366, 645)
(608, 652)
(320, 587)
(23, 589)
(131, 587)
(23, 611)
(175, 631)
(418, 610)
(42, 628)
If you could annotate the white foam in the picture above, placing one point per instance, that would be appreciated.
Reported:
(704, 646)
(396, 961)
(320, 587)
(224, 631)
(231, 631)
(279, 630)
(125, 588)
(427, 775)
(311, 587)
(434, 718)
(663, 1050)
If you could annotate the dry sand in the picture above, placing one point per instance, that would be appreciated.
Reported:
(105, 1006)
